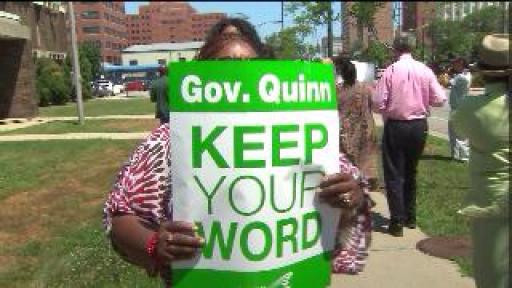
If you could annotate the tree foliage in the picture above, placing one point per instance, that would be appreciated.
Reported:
(463, 37)
(93, 54)
(52, 87)
(288, 44)
(307, 16)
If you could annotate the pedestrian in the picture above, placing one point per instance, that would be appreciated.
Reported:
(404, 95)
(358, 138)
(484, 120)
(137, 214)
(158, 94)
(459, 88)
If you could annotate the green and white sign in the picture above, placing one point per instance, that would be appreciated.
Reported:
(250, 141)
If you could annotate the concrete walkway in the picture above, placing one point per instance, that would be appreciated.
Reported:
(394, 262)
(18, 123)
(73, 136)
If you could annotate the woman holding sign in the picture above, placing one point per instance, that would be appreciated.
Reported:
(137, 212)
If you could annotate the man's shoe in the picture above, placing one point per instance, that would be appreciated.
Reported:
(411, 224)
(396, 229)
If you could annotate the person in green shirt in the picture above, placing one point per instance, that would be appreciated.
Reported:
(158, 94)
(484, 120)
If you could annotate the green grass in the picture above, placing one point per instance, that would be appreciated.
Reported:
(50, 205)
(98, 107)
(442, 186)
(90, 126)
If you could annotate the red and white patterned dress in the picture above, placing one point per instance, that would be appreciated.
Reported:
(143, 188)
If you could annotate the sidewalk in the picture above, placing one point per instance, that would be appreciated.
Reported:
(396, 263)
(17, 123)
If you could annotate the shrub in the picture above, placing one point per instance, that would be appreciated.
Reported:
(51, 84)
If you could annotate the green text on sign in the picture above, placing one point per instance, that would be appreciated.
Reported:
(250, 86)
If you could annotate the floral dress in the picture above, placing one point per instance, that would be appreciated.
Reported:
(358, 138)
(142, 188)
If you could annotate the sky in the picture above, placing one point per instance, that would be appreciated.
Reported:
(261, 14)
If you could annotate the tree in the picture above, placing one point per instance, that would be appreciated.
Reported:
(308, 15)
(463, 37)
(378, 52)
(364, 13)
(288, 44)
(85, 73)
(93, 55)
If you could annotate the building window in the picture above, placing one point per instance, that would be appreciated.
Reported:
(161, 61)
(90, 15)
(91, 29)
(133, 62)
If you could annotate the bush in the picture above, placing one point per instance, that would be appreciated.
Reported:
(52, 86)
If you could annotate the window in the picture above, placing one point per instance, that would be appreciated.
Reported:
(161, 61)
(90, 15)
(133, 62)
(107, 16)
(108, 44)
(91, 29)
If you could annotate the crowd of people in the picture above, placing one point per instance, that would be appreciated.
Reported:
(140, 224)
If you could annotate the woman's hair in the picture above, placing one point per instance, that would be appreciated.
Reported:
(346, 69)
(246, 34)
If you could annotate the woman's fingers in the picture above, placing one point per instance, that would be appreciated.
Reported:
(329, 180)
(178, 239)
(179, 226)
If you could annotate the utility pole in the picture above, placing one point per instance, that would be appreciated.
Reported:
(76, 65)
(329, 31)
(282, 16)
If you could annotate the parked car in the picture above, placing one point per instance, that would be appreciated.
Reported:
(103, 87)
(134, 85)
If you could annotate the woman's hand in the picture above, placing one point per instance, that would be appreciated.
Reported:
(340, 190)
(177, 240)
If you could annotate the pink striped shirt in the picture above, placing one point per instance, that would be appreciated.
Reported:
(406, 90)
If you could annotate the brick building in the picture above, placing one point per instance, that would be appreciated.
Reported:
(383, 26)
(173, 22)
(102, 23)
(27, 30)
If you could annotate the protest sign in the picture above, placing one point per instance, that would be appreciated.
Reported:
(250, 141)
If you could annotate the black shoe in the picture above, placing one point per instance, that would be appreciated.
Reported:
(411, 223)
(396, 229)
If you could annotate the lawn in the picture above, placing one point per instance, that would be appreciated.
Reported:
(442, 185)
(90, 126)
(98, 107)
(51, 198)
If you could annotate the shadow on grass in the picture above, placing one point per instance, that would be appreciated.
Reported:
(380, 223)
(436, 157)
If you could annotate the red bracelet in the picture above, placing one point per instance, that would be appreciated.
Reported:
(151, 245)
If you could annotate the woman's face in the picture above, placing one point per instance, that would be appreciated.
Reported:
(236, 49)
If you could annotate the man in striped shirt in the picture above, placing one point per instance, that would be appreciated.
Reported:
(403, 96)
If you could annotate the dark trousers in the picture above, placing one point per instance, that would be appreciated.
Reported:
(402, 146)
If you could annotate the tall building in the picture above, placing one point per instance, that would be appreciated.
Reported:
(102, 23)
(173, 22)
(27, 30)
(383, 26)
